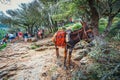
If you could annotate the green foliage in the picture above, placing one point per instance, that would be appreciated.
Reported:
(13, 29)
(117, 36)
(59, 17)
(73, 26)
(64, 12)
(116, 20)
(68, 25)
(115, 32)
(102, 24)
(34, 46)
(76, 26)
(78, 75)
(2, 33)
(103, 21)
(101, 53)
(2, 46)
(106, 59)
(101, 28)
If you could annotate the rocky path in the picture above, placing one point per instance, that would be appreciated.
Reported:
(19, 62)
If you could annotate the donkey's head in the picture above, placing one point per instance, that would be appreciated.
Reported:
(84, 25)
(90, 35)
(87, 33)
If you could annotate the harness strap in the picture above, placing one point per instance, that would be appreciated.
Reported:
(77, 31)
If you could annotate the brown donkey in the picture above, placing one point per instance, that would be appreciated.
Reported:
(60, 41)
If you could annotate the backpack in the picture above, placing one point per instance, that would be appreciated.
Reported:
(60, 39)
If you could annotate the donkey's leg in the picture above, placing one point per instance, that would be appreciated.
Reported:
(58, 57)
(69, 60)
(57, 52)
(65, 57)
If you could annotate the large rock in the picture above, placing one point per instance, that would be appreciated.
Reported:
(80, 54)
(78, 57)
(86, 61)
(82, 44)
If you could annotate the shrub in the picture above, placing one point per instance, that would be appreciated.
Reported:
(105, 62)
(2, 33)
(76, 26)
(115, 32)
(2, 46)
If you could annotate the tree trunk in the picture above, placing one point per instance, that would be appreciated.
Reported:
(31, 30)
(50, 29)
(94, 23)
(107, 30)
(50, 20)
(109, 23)
(94, 17)
(28, 29)
(56, 26)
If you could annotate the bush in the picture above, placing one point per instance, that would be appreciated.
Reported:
(117, 36)
(105, 62)
(115, 32)
(102, 24)
(34, 46)
(2, 33)
(101, 28)
(76, 26)
(2, 46)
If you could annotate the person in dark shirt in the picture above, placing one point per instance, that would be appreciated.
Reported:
(42, 33)
(25, 36)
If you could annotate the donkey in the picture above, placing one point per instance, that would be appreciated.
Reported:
(75, 37)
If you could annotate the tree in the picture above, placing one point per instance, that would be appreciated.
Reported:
(112, 11)
(96, 9)
(27, 16)
(5, 19)
(53, 9)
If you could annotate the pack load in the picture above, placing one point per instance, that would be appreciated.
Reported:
(60, 39)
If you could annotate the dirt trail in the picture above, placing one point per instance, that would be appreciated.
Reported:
(19, 62)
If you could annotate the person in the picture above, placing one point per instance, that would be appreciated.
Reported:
(20, 35)
(25, 36)
(39, 34)
(7, 36)
(4, 41)
(11, 37)
(16, 36)
(42, 33)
